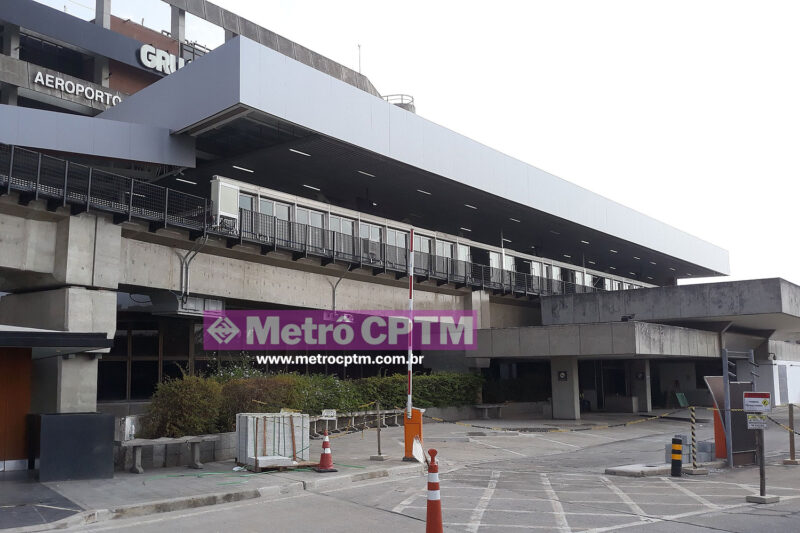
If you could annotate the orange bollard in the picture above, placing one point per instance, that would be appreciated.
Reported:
(433, 520)
(412, 428)
(325, 458)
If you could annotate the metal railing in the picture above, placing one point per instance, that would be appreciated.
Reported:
(63, 183)
(82, 188)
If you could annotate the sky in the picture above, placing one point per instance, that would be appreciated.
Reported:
(687, 111)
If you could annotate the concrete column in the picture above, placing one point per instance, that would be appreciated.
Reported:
(566, 394)
(11, 40)
(178, 24)
(8, 94)
(229, 35)
(60, 385)
(640, 375)
(102, 13)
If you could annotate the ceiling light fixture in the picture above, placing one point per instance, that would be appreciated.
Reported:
(423, 192)
(554, 232)
(585, 242)
(513, 219)
(186, 181)
(243, 169)
(591, 262)
(366, 173)
(632, 273)
(470, 206)
(672, 269)
(299, 152)
(506, 240)
(568, 256)
(652, 262)
(311, 187)
(613, 268)
(465, 229)
(613, 251)
(637, 258)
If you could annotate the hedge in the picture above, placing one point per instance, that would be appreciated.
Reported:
(194, 405)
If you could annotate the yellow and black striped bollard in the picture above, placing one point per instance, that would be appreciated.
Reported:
(677, 457)
(694, 438)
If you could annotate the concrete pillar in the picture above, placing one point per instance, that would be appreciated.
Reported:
(640, 374)
(566, 394)
(102, 13)
(178, 24)
(102, 73)
(64, 385)
(8, 94)
(11, 40)
(479, 302)
(229, 35)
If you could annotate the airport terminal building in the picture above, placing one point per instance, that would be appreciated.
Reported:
(145, 179)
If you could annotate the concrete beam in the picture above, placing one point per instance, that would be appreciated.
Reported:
(102, 13)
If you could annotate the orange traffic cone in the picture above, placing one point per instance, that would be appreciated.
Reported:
(325, 458)
(433, 521)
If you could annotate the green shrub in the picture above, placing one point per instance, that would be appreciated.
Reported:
(260, 394)
(187, 406)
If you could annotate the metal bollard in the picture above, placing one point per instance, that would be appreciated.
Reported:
(791, 460)
(694, 437)
(677, 457)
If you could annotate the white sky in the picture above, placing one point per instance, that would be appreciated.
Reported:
(688, 111)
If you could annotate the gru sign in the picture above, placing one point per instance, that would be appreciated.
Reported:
(159, 60)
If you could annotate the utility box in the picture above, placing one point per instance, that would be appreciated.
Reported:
(265, 440)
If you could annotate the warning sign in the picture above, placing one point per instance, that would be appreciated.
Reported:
(756, 421)
(757, 402)
(328, 414)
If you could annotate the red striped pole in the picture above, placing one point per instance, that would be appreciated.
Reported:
(433, 520)
(410, 316)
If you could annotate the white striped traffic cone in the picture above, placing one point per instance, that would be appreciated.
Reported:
(325, 458)
(433, 520)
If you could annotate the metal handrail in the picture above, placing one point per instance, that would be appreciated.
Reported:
(62, 183)
(396, 99)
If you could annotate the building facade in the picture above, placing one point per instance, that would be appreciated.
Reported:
(146, 179)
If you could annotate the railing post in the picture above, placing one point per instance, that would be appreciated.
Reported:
(130, 203)
(205, 216)
(166, 205)
(66, 177)
(89, 190)
(10, 169)
(38, 176)
(275, 232)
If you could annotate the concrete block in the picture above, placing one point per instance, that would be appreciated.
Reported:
(755, 498)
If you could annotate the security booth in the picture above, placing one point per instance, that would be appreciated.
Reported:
(46, 373)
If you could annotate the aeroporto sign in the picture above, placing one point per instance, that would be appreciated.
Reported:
(160, 60)
(76, 88)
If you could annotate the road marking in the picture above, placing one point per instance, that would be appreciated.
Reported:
(561, 519)
(556, 441)
(468, 524)
(622, 496)
(689, 493)
(399, 508)
(498, 448)
(483, 503)
(519, 511)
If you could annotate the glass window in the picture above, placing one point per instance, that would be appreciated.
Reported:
(462, 252)
(578, 278)
(396, 238)
(301, 216)
(112, 379)
(144, 342)
(315, 219)
(347, 226)
(536, 268)
(246, 201)
(588, 280)
(509, 263)
(266, 206)
(494, 259)
(444, 249)
(422, 244)
(144, 376)
(282, 211)
(555, 272)
(370, 232)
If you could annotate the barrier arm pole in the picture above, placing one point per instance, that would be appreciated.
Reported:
(410, 317)
(726, 380)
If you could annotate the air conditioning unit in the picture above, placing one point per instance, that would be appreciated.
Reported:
(225, 201)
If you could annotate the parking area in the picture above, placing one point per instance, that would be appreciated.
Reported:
(477, 499)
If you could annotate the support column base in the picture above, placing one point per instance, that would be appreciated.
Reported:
(791, 462)
(696, 471)
(755, 498)
(377, 457)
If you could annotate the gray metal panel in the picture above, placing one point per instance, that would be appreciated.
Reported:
(307, 97)
(213, 13)
(196, 8)
(64, 27)
(47, 130)
(783, 384)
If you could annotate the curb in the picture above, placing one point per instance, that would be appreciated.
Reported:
(203, 500)
(647, 471)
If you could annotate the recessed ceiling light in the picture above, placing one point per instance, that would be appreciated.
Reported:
(649, 277)
(375, 204)
(311, 187)
(613, 251)
(672, 269)
(470, 206)
(299, 152)
(423, 192)
(632, 273)
(243, 169)
(465, 229)
(186, 181)
(637, 258)
(591, 262)
(613, 268)
(554, 232)
(585, 242)
(652, 262)
(688, 273)
(366, 173)
(513, 219)
(506, 240)
(567, 256)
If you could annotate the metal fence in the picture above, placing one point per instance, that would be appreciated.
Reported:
(82, 188)
(60, 182)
